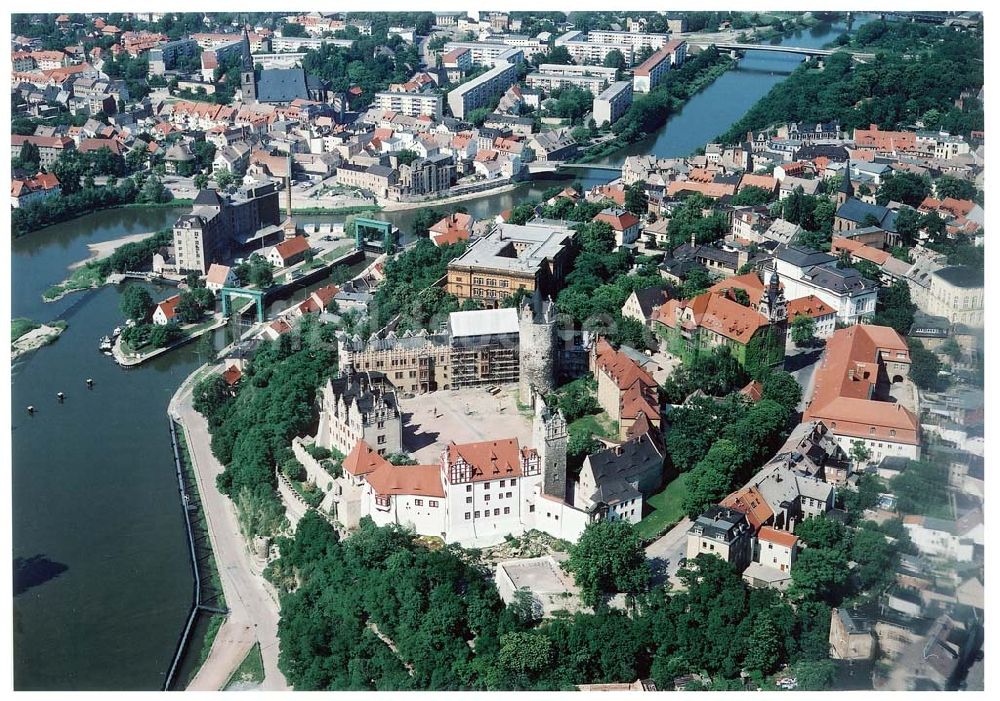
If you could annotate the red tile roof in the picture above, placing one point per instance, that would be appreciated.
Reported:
(169, 306)
(417, 480)
(362, 460)
(714, 312)
(846, 380)
(810, 306)
(751, 502)
(489, 459)
(619, 221)
(754, 391)
(292, 247)
(232, 375)
(773, 535)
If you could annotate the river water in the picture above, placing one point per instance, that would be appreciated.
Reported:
(102, 579)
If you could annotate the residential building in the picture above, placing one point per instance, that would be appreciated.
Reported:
(851, 388)
(957, 294)
(612, 103)
(289, 252)
(28, 190)
(219, 276)
(651, 72)
(636, 41)
(722, 532)
(49, 147)
(360, 406)
(641, 304)
(480, 91)
(824, 316)
(939, 538)
(851, 635)
(804, 271)
(554, 145)
(453, 228)
(624, 389)
(614, 481)
(625, 224)
(410, 104)
(166, 311)
(531, 257)
(233, 159)
(551, 77)
(595, 53)
(711, 320)
(774, 553)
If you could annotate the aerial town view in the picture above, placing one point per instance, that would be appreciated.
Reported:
(497, 350)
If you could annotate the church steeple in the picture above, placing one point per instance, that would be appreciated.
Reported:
(248, 77)
(846, 190)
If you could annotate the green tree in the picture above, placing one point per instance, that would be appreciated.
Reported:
(636, 199)
(764, 647)
(820, 574)
(860, 453)
(925, 368)
(615, 59)
(803, 328)
(908, 188)
(814, 675)
(163, 335)
(608, 559)
(781, 387)
(922, 489)
(136, 303)
(949, 186)
(200, 181)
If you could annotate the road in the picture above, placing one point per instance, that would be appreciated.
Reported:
(801, 363)
(253, 609)
(666, 552)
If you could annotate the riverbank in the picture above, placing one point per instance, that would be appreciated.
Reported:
(28, 335)
(650, 112)
(360, 209)
(104, 249)
(128, 358)
(403, 206)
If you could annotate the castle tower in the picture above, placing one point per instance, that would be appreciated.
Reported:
(846, 190)
(248, 78)
(537, 349)
(550, 437)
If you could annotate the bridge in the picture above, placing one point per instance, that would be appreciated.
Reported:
(773, 48)
(542, 167)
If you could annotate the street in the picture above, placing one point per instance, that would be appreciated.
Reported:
(801, 363)
(253, 610)
(666, 552)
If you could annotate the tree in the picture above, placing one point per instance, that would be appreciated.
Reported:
(781, 387)
(894, 307)
(559, 55)
(803, 328)
(764, 646)
(908, 225)
(712, 478)
(607, 559)
(200, 181)
(823, 532)
(921, 489)
(949, 186)
(814, 675)
(615, 59)
(925, 368)
(904, 187)
(163, 335)
(136, 303)
(636, 199)
(752, 195)
(30, 156)
(820, 575)
(860, 453)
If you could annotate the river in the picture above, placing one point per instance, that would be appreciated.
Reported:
(102, 579)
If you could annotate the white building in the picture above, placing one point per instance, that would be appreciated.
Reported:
(480, 91)
(611, 104)
(410, 104)
(805, 272)
(360, 406)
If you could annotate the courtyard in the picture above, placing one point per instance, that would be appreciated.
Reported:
(431, 421)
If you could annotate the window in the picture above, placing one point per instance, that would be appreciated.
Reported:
(486, 485)
(468, 516)
(477, 514)
(496, 512)
(468, 487)
(418, 502)
(433, 504)
(892, 433)
(508, 494)
(871, 431)
(501, 483)
(381, 440)
(506, 510)
(381, 424)
(487, 497)
(468, 500)
(513, 482)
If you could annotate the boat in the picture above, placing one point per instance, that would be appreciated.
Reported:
(117, 332)
(106, 345)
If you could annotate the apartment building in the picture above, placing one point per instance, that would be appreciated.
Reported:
(611, 104)
(551, 77)
(49, 147)
(480, 91)
(636, 41)
(594, 53)
(652, 71)
(487, 53)
(410, 104)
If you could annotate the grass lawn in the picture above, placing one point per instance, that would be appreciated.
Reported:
(666, 508)
(83, 278)
(19, 327)
(596, 424)
(250, 671)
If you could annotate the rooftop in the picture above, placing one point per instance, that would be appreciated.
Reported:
(515, 248)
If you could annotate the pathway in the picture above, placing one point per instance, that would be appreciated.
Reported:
(666, 551)
(253, 607)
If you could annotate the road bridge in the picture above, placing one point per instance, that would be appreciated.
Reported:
(737, 47)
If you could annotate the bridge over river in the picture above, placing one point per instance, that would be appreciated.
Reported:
(738, 48)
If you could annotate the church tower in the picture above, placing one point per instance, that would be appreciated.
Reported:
(846, 190)
(248, 77)
(773, 304)
(550, 436)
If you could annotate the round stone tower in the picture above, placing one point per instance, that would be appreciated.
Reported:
(537, 349)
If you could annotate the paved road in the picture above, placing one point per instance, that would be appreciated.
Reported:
(253, 615)
(801, 364)
(666, 552)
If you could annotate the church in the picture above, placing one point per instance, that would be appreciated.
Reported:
(278, 86)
